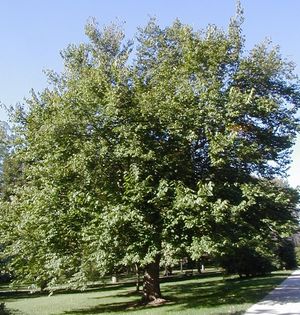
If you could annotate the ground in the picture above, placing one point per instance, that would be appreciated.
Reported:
(186, 296)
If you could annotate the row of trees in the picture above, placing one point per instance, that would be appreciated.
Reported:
(128, 161)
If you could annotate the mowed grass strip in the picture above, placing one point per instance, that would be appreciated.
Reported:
(197, 295)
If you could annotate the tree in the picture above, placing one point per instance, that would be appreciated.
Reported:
(126, 160)
(267, 222)
(4, 148)
(5, 140)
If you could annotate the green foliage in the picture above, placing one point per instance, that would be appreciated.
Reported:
(5, 142)
(297, 253)
(126, 160)
(258, 246)
(247, 262)
(287, 254)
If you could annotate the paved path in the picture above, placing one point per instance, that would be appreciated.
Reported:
(284, 300)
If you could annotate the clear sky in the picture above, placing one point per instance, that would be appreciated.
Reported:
(32, 33)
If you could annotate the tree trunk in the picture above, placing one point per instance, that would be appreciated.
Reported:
(151, 287)
(137, 273)
(43, 285)
(168, 271)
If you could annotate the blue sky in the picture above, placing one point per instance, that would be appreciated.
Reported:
(32, 33)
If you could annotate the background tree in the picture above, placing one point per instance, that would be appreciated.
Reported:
(6, 180)
(125, 160)
(259, 245)
(4, 150)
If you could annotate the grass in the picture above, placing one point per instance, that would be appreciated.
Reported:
(209, 295)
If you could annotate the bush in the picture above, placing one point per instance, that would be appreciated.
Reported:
(297, 254)
(287, 255)
(246, 262)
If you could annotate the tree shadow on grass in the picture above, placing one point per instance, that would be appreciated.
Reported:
(234, 313)
(186, 294)
(193, 295)
(13, 295)
(9, 295)
(6, 311)
(102, 308)
(228, 292)
(124, 307)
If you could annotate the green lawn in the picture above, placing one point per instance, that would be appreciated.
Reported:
(197, 295)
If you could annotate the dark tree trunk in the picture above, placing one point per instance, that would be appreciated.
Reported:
(137, 273)
(151, 287)
(43, 285)
(168, 271)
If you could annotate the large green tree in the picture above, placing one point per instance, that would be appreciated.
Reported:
(173, 150)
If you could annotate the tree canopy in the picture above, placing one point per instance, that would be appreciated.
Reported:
(173, 148)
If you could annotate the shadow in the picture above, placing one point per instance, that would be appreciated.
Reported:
(9, 296)
(95, 288)
(185, 293)
(184, 277)
(228, 292)
(5, 311)
(12, 295)
(193, 295)
(111, 308)
(124, 307)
